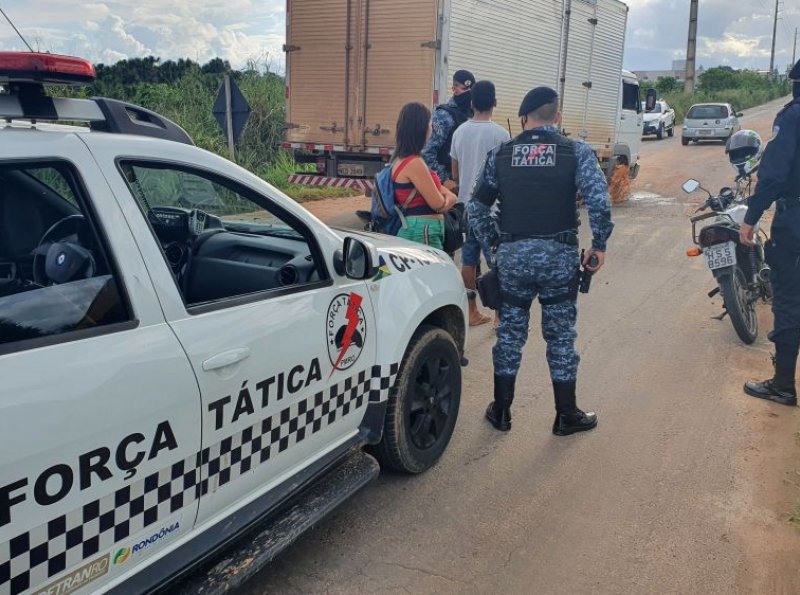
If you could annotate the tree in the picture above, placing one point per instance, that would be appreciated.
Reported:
(667, 84)
(216, 66)
(719, 79)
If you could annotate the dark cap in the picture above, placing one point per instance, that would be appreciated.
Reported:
(794, 73)
(464, 77)
(535, 99)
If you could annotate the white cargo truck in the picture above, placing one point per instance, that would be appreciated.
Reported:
(352, 64)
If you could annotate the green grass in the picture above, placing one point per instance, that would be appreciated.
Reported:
(306, 193)
(277, 173)
(188, 102)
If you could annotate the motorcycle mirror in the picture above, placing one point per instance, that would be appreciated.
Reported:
(690, 186)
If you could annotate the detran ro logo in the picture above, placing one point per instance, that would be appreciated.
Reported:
(122, 555)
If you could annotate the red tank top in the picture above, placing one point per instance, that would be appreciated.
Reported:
(402, 190)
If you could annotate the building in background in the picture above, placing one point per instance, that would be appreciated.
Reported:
(677, 71)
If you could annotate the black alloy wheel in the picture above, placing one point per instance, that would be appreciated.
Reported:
(423, 404)
(431, 405)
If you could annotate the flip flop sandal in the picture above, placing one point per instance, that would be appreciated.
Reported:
(483, 319)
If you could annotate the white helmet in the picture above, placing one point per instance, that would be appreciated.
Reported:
(744, 151)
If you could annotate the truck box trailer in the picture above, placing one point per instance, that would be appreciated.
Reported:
(352, 64)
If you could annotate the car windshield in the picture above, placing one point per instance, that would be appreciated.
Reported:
(655, 110)
(702, 112)
(156, 186)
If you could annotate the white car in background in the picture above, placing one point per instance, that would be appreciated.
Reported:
(659, 120)
(710, 121)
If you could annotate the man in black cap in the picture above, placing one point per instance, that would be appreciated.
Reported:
(779, 182)
(535, 178)
(446, 118)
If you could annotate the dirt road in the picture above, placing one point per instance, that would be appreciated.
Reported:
(685, 486)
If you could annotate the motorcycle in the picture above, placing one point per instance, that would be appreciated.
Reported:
(741, 272)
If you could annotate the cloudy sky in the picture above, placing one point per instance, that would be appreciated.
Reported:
(733, 32)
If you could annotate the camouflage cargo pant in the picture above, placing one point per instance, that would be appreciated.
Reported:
(543, 268)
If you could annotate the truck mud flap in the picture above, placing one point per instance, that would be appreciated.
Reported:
(253, 552)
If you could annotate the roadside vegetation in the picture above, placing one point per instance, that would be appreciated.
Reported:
(184, 91)
(741, 88)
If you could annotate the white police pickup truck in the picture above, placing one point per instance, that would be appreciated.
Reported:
(187, 355)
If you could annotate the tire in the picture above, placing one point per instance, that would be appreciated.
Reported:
(685, 142)
(671, 131)
(741, 310)
(420, 418)
(660, 133)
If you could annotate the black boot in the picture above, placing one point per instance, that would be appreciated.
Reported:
(570, 419)
(772, 390)
(499, 411)
(780, 388)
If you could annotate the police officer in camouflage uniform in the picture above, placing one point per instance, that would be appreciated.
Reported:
(535, 179)
(779, 182)
(446, 118)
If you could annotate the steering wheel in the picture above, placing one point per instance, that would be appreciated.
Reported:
(194, 243)
(60, 257)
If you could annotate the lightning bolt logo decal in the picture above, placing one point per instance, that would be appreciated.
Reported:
(346, 329)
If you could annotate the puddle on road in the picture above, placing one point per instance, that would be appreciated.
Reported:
(650, 198)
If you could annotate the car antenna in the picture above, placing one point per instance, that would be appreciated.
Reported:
(10, 22)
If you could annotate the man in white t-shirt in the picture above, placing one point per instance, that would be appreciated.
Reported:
(471, 143)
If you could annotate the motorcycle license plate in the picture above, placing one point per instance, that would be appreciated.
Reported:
(721, 255)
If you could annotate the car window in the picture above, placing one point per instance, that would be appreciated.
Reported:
(707, 112)
(221, 240)
(630, 97)
(55, 274)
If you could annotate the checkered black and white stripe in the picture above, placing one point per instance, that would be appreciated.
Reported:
(64, 542)
(33, 557)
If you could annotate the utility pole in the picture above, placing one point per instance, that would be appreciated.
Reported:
(691, 49)
(774, 33)
(794, 49)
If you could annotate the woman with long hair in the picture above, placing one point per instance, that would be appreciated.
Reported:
(417, 188)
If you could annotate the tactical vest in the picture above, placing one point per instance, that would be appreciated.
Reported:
(536, 178)
(459, 117)
(793, 183)
(785, 229)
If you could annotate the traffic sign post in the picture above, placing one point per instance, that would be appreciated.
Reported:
(231, 111)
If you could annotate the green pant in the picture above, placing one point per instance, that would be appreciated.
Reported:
(424, 231)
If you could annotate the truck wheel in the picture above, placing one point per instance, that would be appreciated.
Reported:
(671, 131)
(684, 141)
(660, 133)
(423, 405)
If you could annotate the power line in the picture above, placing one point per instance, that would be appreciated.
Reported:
(10, 22)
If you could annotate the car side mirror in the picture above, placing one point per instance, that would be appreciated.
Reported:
(357, 259)
(690, 186)
(739, 115)
(650, 102)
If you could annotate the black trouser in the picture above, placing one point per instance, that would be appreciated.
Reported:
(783, 257)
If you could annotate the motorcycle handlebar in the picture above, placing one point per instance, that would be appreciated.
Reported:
(704, 206)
